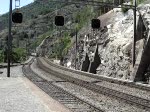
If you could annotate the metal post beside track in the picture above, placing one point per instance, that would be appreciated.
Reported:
(76, 49)
(9, 41)
(134, 37)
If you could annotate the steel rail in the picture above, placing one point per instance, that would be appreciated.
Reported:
(72, 102)
(101, 78)
(134, 100)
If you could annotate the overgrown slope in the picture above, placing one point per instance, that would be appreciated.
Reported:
(38, 23)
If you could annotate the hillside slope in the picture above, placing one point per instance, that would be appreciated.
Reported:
(114, 41)
(38, 23)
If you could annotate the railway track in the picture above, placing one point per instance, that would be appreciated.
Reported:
(72, 102)
(134, 100)
(101, 78)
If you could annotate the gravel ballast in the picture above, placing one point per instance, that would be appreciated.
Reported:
(104, 102)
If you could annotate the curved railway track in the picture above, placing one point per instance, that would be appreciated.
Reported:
(134, 100)
(72, 102)
(101, 78)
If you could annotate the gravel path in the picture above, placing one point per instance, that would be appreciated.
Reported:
(14, 72)
(104, 102)
(16, 96)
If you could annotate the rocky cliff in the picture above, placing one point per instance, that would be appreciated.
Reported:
(114, 41)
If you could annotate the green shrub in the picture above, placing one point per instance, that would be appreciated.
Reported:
(18, 55)
(45, 11)
(40, 39)
(1, 56)
(138, 1)
(61, 46)
(82, 17)
(124, 10)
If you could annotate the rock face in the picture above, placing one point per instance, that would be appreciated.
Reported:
(114, 41)
(115, 50)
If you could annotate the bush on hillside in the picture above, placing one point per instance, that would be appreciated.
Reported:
(18, 55)
(1, 56)
(124, 10)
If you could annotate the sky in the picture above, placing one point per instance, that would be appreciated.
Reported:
(4, 5)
